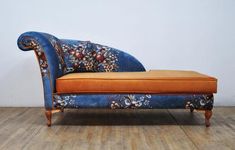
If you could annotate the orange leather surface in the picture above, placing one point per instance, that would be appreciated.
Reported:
(153, 81)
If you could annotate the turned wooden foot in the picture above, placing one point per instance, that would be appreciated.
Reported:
(62, 110)
(48, 116)
(208, 114)
(191, 110)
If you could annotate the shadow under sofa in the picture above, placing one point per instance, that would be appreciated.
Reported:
(82, 74)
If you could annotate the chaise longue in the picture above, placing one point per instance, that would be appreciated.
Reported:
(82, 74)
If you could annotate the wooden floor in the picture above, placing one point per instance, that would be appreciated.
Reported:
(24, 128)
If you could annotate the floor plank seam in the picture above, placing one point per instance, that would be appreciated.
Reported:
(25, 128)
(32, 136)
(14, 115)
(182, 129)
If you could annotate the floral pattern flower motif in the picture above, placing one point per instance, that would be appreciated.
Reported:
(131, 101)
(78, 57)
(61, 101)
(56, 44)
(202, 102)
(89, 57)
(41, 57)
(29, 43)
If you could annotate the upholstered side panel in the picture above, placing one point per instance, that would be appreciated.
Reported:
(58, 57)
(127, 101)
(85, 56)
(50, 61)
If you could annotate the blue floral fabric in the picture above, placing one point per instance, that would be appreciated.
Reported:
(47, 59)
(133, 101)
(85, 56)
(58, 57)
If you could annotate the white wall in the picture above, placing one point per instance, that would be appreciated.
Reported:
(162, 34)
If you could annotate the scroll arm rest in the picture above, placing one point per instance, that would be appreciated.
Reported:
(47, 59)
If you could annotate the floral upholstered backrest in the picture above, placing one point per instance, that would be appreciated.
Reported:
(85, 56)
(60, 56)
(57, 57)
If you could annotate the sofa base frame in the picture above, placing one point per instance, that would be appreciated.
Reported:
(48, 113)
(202, 102)
(58, 57)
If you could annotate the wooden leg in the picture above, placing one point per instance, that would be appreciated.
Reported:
(48, 116)
(208, 114)
(62, 109)
(191, 110)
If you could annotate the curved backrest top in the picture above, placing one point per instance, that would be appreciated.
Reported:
(85, 56)
(82, 56)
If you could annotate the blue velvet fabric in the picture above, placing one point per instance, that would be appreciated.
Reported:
(58, 57)
(47, 58)
(85, 56)
(128, 101)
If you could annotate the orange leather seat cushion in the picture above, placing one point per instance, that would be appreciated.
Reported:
(153, 81)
